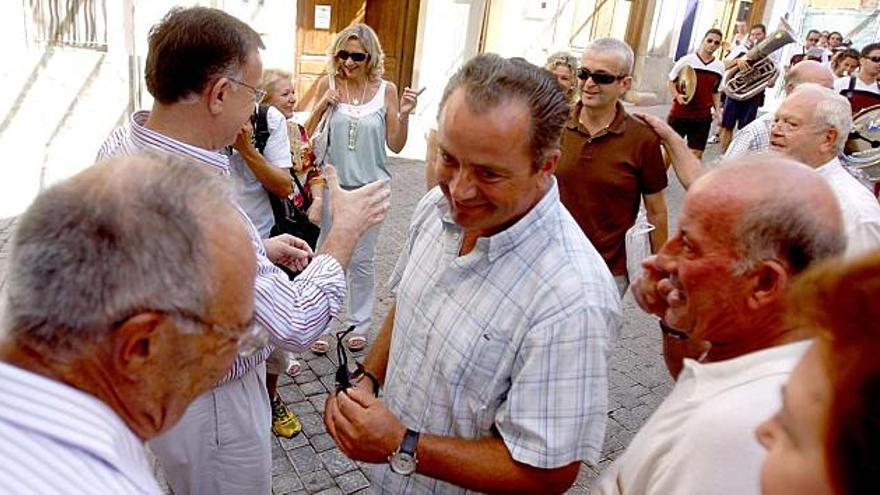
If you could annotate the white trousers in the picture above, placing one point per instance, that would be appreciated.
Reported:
(222, 443)
(360, 274)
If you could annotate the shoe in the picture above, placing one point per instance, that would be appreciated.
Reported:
(294, 368)
(714, 139)
(320, 347)
(284, 423)
(356, 343)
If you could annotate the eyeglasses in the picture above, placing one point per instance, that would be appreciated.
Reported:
(355, 56)
(344, 376)
(598, 77)
(813, 40)
(259, 94)
(252, 339)
(875, 59)
(787, 126)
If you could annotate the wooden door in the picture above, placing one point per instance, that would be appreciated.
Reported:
(395, 23)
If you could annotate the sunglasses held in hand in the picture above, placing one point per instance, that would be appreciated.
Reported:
(598, 77)
(346, 377)
(355, 56)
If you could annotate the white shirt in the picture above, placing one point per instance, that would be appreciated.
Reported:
(57, 439)
(697, 63)
(802, 50)
(861, 212)
(512, 337)
(251, 194)
(701, 440)
(842, 84)
(754, 137)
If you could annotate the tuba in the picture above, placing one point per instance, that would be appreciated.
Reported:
(744, 84)
(862, 149)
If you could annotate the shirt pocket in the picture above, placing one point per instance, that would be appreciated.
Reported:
(486, 377)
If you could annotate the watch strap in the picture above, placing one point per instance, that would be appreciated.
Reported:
(410, 442)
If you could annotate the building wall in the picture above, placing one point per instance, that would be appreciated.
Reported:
(59, 104)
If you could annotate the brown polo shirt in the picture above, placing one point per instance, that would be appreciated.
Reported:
(601, 179)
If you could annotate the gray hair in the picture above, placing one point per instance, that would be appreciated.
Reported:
(832, 110)
(124, 236)
(619, 48)
(785, 230)
(490, 80)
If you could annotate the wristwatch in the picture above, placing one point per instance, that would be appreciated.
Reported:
(403, 461)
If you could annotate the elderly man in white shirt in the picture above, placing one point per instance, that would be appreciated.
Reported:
(103, 348)
(812, 125)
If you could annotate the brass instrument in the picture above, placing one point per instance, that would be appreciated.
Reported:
(686, 83)
(862, 149)
(744, 84)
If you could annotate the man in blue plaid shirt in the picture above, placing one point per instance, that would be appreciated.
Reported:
(494, 356)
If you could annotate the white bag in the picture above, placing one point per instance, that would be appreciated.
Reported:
(321, 136)
(638, 244)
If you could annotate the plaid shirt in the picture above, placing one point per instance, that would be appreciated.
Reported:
(752, 138)
(513, 336)
(295, 313)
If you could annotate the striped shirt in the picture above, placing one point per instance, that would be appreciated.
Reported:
(512, 338)
(57, 439)
(295, 313)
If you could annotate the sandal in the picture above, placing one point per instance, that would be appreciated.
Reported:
(356, 343)
(320, 347)
(294, 368)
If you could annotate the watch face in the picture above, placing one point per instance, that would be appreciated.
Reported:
(402, 463)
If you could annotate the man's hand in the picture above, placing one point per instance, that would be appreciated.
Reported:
(361, 425)
(290, 251)
(356, 211)
(743, 64)
(645, 289)
(659, 126)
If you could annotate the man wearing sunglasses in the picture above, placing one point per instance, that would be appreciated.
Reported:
(863, 89)
(810, 50)
(693, 119)
(610, 161)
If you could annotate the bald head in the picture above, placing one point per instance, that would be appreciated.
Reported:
(778, 209)
(809, 71)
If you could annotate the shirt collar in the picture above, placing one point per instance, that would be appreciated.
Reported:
(148, 138)
(522, 231)
(829, 167)
(72, 417)
(617, 125)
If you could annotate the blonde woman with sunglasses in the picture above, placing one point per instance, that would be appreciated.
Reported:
(366, 115)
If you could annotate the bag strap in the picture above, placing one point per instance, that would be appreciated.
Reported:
(261, 128)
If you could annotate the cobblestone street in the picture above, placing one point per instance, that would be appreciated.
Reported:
(311, 463)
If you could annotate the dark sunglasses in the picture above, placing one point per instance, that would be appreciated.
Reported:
(345, 376)
(355, 56)
(598, 77)
(875, 59)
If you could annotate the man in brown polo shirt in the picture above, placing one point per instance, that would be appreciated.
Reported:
(609, 159)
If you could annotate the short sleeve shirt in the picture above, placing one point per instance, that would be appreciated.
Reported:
(602, 178)
(510, 339)
(709, 75)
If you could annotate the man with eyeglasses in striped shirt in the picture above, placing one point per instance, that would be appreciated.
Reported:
(203, 68)
(101, 352)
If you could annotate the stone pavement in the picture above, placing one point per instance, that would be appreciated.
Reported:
(310, 462)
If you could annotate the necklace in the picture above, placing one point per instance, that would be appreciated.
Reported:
(353, 119)
(355, 101)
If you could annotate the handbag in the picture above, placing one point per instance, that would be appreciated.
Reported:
(292, 219)
(321, 136)
(638, 244)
